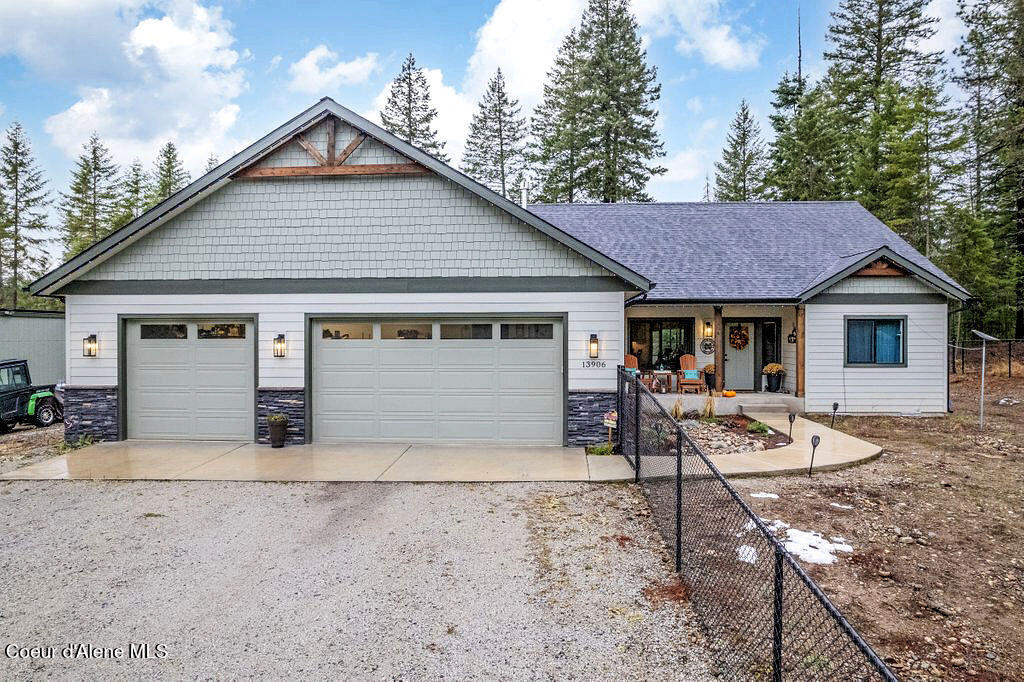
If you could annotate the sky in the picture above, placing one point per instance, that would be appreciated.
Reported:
(214, 76)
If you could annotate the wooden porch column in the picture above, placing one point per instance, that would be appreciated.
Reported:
(719, 349)
(801, 348)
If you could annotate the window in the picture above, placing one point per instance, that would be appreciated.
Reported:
(406, 330)
(228, 330)
(164, 331)
(348, 331)
(13, 377)
(876, 341)
(528, 331)
(660, 342)
(466, 331)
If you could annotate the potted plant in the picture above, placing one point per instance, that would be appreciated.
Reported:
(774, 371)
(709, 376)
(278, 424)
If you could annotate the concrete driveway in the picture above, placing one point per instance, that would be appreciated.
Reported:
(339, 581)
(235, 461)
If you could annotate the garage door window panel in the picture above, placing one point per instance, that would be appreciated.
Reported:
(348, 331)
(527, 331)
(156, 332)
(233, 330)
(466, 331)
(406, 331)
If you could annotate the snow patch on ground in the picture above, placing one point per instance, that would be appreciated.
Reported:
(767, 496)
(813, 548)
(840, 506)
(747, 553)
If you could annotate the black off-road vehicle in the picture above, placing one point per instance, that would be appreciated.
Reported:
(23, 403)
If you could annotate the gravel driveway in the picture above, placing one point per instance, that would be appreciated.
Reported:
(380, 581)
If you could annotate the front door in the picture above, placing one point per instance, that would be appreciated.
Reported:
(739, 356)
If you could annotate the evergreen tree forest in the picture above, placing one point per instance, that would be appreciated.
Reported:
(931, 144)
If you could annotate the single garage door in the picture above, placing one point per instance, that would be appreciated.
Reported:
(447, 381)
(190, 379)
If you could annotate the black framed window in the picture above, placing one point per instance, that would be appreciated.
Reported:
(659, 342)
(466, 331)
(528, 330)
(876, 341)
(221, 330)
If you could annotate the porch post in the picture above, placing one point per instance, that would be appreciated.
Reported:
(719, 349)
(801, 347)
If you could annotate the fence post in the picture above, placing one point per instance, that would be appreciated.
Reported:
(963, 361)
(620, 422)
(1009, 359)
(679, 499)
(777, 619)
(636, 429)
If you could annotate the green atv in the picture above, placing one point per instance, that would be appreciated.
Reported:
(23, 403)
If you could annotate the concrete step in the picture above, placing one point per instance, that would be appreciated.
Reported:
(780, 408)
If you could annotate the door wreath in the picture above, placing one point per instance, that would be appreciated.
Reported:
(739, 337)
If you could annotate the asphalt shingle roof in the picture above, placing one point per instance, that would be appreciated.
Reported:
(732, 251)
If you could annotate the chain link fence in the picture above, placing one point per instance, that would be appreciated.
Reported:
(765, 618)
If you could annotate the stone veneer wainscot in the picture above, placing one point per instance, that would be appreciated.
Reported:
(586, 417)
(289, 401)
(90, 411)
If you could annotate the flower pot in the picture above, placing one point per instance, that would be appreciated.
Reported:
(278, 431)
(774, 382)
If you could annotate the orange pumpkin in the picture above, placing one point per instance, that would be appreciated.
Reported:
(729, 394)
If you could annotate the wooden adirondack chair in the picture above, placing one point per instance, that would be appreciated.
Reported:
(645, 378)
(684, 385)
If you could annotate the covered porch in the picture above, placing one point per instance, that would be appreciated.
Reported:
(731, 343)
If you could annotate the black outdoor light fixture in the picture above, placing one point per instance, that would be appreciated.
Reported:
(792, 418)
(709, 329)
(279, 346)
(815, 440)
(792, 336)
(835, 408)
(593, 346)
(89, 346)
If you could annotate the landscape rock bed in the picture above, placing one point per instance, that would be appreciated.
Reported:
(729, 435)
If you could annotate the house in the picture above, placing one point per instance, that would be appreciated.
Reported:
(332, 272)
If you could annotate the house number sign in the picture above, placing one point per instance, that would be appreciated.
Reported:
(594, 364)
(707, 345)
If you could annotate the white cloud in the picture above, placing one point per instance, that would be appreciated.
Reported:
(698, 26)
(320, 72)
(180, 80)
(687, 164)
(275, 62)
(695, 104)
(949, 28)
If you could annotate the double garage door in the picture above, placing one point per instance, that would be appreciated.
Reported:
(474, 381)
(487, 380)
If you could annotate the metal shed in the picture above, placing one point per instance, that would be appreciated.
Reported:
(36, 336)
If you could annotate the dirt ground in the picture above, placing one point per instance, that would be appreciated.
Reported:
(28, 444)
(935, 581)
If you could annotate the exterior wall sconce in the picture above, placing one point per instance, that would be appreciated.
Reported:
(89, 346)
(279, 346)
(792, 336)
(593, 346)
(709, 329)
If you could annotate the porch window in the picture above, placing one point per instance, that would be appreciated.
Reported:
(659, 342)
(876, 341)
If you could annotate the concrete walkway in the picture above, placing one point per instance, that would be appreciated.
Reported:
(837, 450)
(236, 461)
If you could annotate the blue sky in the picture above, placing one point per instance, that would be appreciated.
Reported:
(214, 76)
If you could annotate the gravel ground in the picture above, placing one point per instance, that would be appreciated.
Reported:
(379, 581)
(28, 444)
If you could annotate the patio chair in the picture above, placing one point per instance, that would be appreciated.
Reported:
(646, 378)
(689, 377)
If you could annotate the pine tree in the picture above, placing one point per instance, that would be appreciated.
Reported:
(495, 152)
(875, 43)
(409, 112)
(556, 123)
(133, 195)
(211, 162)
(25, 197)
(740, 175)
(89, 208)
(169, 175)
(618, 111)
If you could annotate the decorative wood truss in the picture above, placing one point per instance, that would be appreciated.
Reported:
(881, 268)
(333, 163)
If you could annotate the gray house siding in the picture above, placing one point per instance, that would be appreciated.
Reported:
(38, 338)
(343, 227)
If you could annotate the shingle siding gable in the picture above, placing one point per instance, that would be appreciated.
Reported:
(338, 227)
